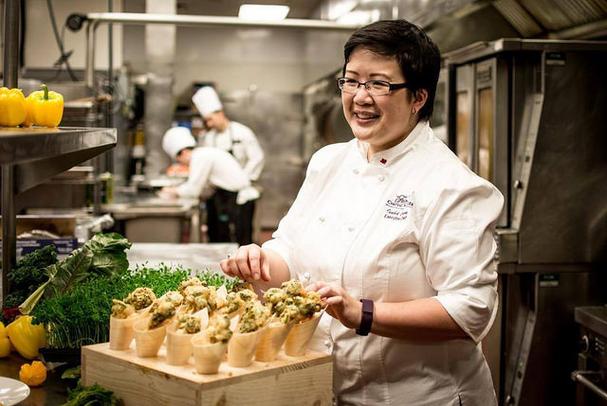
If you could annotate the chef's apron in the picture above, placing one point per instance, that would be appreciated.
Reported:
(226, 220)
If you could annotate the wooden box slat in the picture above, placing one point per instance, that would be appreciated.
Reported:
(289, 381)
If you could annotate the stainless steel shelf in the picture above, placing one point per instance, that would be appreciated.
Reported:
(28, 157)
(40, 153)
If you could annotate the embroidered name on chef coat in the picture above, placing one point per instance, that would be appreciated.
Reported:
(398, 207)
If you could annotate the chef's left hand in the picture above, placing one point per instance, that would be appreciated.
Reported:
(340, 304)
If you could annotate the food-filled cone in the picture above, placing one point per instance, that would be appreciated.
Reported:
(207, 356)
(271, 340)
(300, 335)
(148, 342)
(241, 348)
(121, 332)
(178, 346)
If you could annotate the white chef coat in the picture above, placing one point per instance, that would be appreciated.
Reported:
(413, 223)
(217, 168)
(244, 146)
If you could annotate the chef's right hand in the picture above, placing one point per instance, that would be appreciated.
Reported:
(250, 263)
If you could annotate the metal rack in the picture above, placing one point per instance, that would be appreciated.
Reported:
(30, 156)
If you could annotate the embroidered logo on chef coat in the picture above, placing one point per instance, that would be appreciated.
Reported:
(398, 207)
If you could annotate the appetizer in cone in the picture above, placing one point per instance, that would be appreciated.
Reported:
(121, 325)
(282, 319)
(233, 306)
(300, 307)
(141, 299)
(198, 297)
(210, 347)
(151, 330)
(179, 338)
(243, 344)
(124, 314)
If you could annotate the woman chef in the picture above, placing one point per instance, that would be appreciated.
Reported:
(395, 233)
(213, 167)
(236, 139)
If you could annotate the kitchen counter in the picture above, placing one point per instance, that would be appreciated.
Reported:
(145, 217)
(52, 393)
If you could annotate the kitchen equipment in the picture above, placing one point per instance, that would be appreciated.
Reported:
(591, 375)
(526, 115)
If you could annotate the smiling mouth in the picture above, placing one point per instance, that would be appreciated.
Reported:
(366, 116)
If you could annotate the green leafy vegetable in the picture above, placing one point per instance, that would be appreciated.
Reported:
(94, 395)
(81, 316)
(103, 254)
(29, 273)
(71, 373)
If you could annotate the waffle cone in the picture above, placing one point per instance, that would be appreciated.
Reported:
(207, 356)
(241, 348)
(148, 342)
(271, 340)
(300, 335)
(121, 332)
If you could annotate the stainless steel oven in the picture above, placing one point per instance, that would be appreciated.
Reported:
(529, 115)
(591, 375)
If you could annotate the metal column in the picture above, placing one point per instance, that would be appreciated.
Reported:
(12, 22)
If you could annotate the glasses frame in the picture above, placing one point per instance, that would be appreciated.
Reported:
(391, 86)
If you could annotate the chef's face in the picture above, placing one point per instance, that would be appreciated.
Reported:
(381, 121)
(184, 156)
(215, 121)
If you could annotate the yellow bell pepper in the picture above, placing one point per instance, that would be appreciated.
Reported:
(46, 107)
(26, 337)
(5, 347)
(5, 343)
(12, 107)
(34, 374)
(29, 112)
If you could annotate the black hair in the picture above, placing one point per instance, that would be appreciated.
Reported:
(416, 54)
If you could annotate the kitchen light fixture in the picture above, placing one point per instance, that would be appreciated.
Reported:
(263, 12)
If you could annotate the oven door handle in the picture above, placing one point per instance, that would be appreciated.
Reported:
(580, 376)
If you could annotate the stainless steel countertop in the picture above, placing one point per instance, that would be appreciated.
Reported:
(127, 205)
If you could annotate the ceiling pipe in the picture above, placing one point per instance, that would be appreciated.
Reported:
(95, 19)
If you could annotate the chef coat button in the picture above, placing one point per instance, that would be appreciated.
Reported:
(381, 178)
(327, 343)
(306, 276)
(321, 219)
(356, 171)
(350, 229)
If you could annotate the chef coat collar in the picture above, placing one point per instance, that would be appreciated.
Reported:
(386, 157)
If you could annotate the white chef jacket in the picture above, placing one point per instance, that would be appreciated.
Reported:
(413, 223)
(244, 146)
(217, 168)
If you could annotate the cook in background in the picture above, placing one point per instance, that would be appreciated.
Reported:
(234, 138)
(214, 168)
(395, 233)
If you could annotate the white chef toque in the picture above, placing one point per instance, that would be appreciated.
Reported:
(176, 139)
(207, 101)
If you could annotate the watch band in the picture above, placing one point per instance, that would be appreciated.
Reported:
(367, 318)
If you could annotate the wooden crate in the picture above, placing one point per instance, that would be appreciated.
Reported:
(289, 381)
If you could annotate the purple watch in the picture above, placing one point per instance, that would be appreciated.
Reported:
(367, 318)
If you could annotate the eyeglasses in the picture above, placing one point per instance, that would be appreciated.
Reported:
(374, 87)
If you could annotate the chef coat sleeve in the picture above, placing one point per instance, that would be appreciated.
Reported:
(255, 156)
(200, 172)
(291, 224)
(458, 247)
